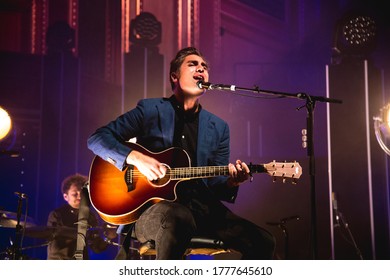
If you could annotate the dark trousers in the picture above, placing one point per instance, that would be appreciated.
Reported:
(171, 226)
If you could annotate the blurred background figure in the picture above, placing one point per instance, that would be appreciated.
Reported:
(63, 222)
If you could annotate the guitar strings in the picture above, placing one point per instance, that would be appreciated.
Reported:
(196, 171)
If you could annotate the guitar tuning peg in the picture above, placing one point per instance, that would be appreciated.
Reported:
(273, 179)
(284, 180)
(294, 181)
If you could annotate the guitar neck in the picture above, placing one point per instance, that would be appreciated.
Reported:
(181, 173)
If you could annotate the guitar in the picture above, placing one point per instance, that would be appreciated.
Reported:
(120, 197)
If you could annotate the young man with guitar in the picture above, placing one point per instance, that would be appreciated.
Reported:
(171, 183)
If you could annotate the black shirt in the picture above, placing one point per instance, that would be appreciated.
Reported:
(192, 193)
(186, 129)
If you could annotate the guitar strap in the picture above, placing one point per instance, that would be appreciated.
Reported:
(82, 223)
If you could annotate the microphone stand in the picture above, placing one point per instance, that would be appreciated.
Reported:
(310, 106)
(283, 227)
(345, 225)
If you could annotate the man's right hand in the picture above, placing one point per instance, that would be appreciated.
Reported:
(148, 166)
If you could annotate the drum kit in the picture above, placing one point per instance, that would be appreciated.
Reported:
(25, 226)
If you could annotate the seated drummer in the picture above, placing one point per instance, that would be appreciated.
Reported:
(63, 246)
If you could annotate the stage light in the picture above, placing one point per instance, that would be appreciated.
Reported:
(5, 123)
(359, 32)
(382, 127)
(145, 30)
(355, 37)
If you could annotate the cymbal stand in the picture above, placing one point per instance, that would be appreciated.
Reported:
(9, 252)
(15, 250)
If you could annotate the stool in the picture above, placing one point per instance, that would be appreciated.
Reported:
(198, 246)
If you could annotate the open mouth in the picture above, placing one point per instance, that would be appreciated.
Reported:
(199, 78)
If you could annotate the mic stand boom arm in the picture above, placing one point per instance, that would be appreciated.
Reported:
(310, 105)
(256, 89)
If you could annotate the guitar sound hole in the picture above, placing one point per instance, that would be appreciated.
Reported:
(164, 180)
(161, 182)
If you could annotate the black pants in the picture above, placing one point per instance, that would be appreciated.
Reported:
(172, 225)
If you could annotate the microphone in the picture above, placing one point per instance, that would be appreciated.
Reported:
(21, 195)
(335, 209)
(205, 85)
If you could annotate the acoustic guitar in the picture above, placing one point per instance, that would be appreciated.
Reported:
(120, 197)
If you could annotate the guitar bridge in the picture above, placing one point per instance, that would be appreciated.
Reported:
(129, 178)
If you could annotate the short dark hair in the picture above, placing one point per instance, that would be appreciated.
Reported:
(77, 179)
(178, 61)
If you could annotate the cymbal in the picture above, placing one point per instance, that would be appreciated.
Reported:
(10, 219)
(51, 233)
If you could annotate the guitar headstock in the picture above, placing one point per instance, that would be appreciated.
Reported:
(284, 170)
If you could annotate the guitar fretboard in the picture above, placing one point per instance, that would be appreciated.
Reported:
(198, 172)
